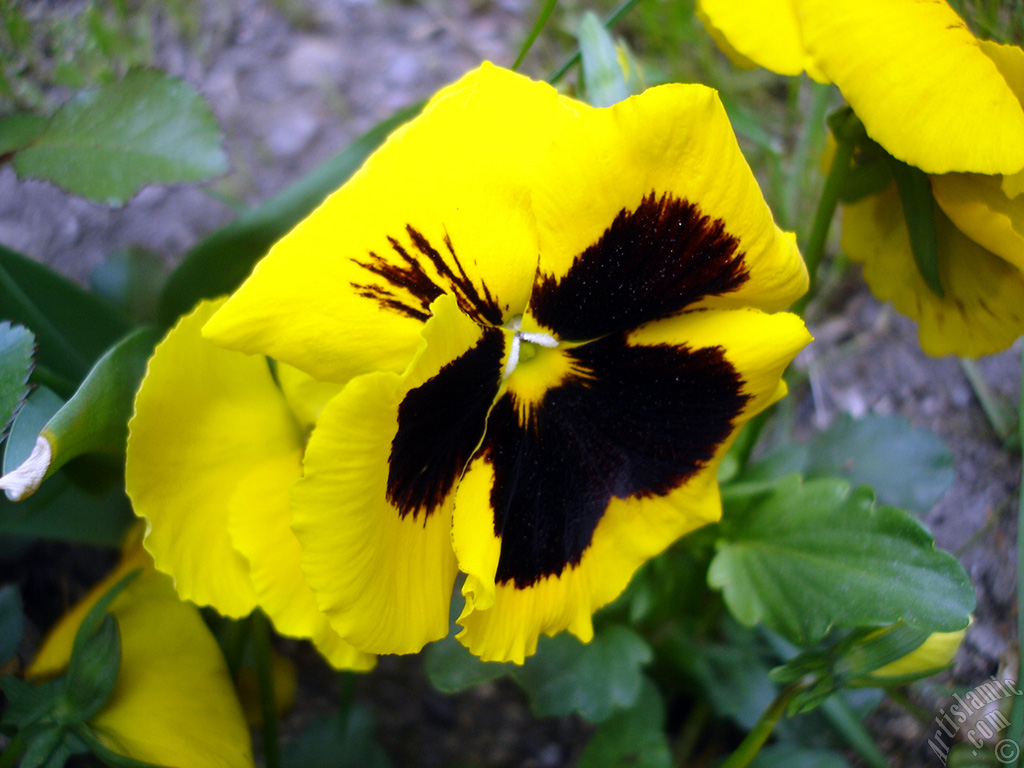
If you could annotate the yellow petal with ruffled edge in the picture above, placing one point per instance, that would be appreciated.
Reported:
(759, 33)
(983, 308)
(189, 445)
(978, 207)
(306, 396)
(935, 652)
(647, 208)
(615, 461)
(442, 207)
(917, 78)
(173, 703)
(373, 510)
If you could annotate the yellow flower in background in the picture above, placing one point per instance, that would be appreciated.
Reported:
(935, 653)
(173, 702)
(925, 88)
(542, 324)
(215, 443)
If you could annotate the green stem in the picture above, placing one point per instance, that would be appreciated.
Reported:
(692, 729)
(999, 415)
(1016, 729)
(40, 324)
(752, 744)
(808, 141)
(14, 751)
(613, 18)
(268, 705)
(545, 13)
(62, 386)
(814, 248)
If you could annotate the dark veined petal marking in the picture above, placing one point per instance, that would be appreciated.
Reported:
(651, 262)
(404, 285)
(440, 424)
(645, 421)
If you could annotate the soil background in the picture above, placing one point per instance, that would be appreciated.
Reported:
(294, 81)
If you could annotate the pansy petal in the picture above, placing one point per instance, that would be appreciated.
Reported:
(173, 703)
(442, 207)
(568, 496)
(306, 396)
(978, 207)
(762, 32)
(203, 417)
(648, 207)
(259, 522)
(917, 78)
(373, 511)
(983, 308)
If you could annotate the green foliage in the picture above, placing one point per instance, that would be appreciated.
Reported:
(808, 556)
(130, 281)
(793, 756)
(345, 740)
(634, 737)
(12, 622)
(108, 142)
(604, 81)
(16, 348)
(913, 472)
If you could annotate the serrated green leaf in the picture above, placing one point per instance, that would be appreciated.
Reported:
(19, 129)
(813, 555)
(594, 680)
(108, 142)
(913, 471)
(603, 78)
(345, 741)
(16, 347)
(72, 326)
(12, 622)
(92, 669)
(632, 738)
(222, 261)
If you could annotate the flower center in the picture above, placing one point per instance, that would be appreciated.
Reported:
(524, 344)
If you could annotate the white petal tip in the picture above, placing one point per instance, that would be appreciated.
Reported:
(22, 482)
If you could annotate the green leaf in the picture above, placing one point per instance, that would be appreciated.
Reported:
(45, 747)
(108, 142)
(812, 555)
(452, 668)
(346, 741)
(16, 347)
(72, 326)
(62, 509)
(12, 622)
(795, 756)
(633, 738)
(94, 420)
(222, 261)
(19, 129)
(913, 471)
(131, 281)
(919, 210)
(92, 670)
(603, 79)
(28, 703)
(593, 680)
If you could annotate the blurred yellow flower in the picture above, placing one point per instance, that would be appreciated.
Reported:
(173, 702)
(936, 652)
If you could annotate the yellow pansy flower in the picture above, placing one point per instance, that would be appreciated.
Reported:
(544, 324)
(215, 442)
(936, 652)
(173, 702)
(925, 88)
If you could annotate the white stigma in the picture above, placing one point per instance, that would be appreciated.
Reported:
(518, 337)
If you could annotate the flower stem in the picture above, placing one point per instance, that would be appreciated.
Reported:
(268, 706)
(999, 415)
(814, 248)
(1016, 729)
(752, 744)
